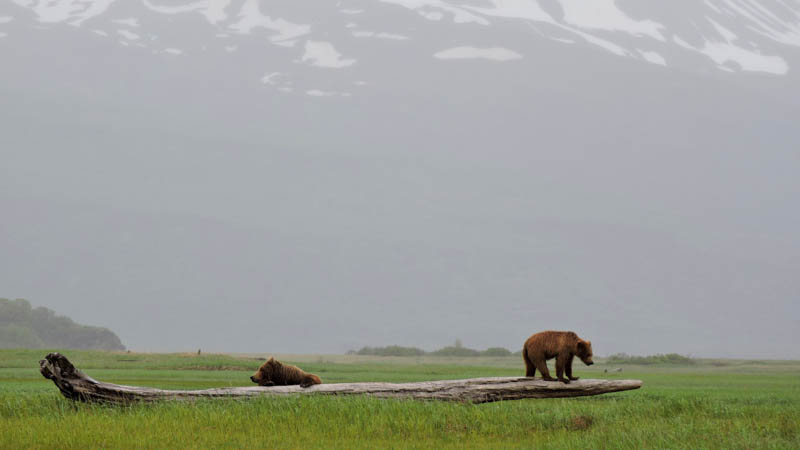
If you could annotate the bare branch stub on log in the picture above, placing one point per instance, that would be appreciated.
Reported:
(76, 385)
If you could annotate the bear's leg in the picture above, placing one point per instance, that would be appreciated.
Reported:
(541, 365)
(307, 381)
(530, 369)
(568, 368)
(561, 362)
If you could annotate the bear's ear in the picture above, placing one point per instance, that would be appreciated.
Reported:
(581, 345)
(271, 359)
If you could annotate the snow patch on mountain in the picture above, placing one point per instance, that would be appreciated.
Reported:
(734, 35)
(128, 35)
(212, 10)
(324, 54)
(514, 9)
(319, 93)
(250, 18)
(271, 78)
(460, 14)
(492, 54)
(379, 35)
(602, 43)
(653, 57)
(59, 11)
(724, 54)
(606, 15)
(433, 15)
(783, 29)
(130, 22)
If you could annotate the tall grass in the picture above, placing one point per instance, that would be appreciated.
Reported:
(695, 407)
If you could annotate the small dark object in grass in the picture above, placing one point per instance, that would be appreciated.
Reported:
(581, 423)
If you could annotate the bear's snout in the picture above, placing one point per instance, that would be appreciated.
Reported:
(253, 379)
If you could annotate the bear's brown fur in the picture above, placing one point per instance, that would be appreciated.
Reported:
(275, 373)
(562, 345)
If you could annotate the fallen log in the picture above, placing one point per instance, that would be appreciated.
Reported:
(76, 385)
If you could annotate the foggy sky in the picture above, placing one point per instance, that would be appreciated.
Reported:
(649, 209)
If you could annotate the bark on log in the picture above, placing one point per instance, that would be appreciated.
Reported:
(75, 385)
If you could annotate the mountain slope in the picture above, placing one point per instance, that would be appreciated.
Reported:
(22, 326)
(728, 35)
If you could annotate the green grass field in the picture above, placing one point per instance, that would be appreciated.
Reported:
(710, 404)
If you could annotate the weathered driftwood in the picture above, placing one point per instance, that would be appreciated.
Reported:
(75, 385)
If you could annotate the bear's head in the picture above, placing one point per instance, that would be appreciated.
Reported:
(264, 374)
(585, 352)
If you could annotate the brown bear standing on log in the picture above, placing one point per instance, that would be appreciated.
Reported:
(275, 373)
(562, 345)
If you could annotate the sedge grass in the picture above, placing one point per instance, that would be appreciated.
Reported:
(703, 406)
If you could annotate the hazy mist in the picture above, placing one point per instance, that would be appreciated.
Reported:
(184, 203)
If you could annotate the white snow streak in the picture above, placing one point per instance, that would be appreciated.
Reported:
(59, 11)
(131, 22)
(250, 17)
(323, 54)
(492, 54)
(653, 57)
(128, 35)
(213, 10)
(606, 15)
(381, 35)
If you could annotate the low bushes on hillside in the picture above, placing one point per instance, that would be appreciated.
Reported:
(452, 350)
(391, 350)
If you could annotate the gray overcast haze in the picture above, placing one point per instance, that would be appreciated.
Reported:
(315, 176)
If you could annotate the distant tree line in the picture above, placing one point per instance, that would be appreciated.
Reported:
(390, 350)
(22, 326)
(453, 350)
(669, 358)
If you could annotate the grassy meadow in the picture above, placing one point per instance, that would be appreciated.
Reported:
(708, 404)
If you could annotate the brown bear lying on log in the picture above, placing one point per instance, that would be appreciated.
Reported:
(562, 345)
(275, 373)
